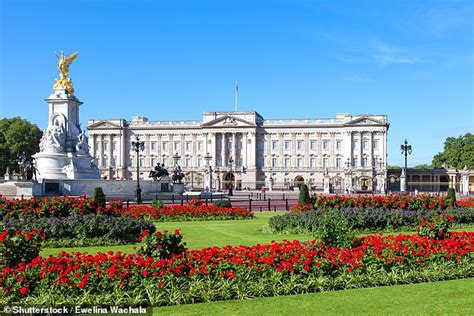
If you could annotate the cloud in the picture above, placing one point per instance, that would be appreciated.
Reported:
(387, 54)
(394, 59)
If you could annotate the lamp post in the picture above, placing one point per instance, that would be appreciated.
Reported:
(137, 147)
(231, 161)
(218, 171)
(405, 149)
(176, 158)
(208, 158)
(349, 175)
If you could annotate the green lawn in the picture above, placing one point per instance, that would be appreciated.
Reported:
(438, 298)
(201, 234)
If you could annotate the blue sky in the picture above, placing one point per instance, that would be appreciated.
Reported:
(411, 60)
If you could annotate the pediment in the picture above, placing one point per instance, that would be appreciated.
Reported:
(103, 124)
(365, 120)
(228, 121)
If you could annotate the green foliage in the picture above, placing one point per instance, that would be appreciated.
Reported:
(304, 195)
(423, 166)
(437, 228)
(394, 167)
(223, 203)
(335, 231)
(157, 204)
(451, 196)
(161, 245)
(16, 136)
(458, 152)
(20, 246)
(99, 197)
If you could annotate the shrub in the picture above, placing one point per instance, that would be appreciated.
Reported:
(223, 203)
(99, 197)
(161, 245)
(195, 203)
(157, 204)
(335, 231)
(20, 246)
(304, 195)
(451, 197)
(437, 228)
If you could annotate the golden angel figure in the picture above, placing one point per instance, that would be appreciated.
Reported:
(63, 66)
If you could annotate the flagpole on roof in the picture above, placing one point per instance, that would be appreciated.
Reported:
(236, 95)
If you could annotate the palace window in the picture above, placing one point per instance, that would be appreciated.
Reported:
(97, 146)
(229, 145)
(153, 161)
(364, 162)
(376, 144)
(274, 145)
(354, 162)
(130, 162)
(114, 161)
(325, 144)
(241, 145)
(114, 145)
(300, 145)
(153, 145)
(325, 162)
(365, 144)
(299, 162)
(105, 162)
(199, 162)
(188, 146)
(165, 146)
(200, 145)
(312, 162)
(338, 144)
(142, 162)
(187, 162)
(312, 145)
(287, 163)
(165, 161)
(274, 162)
(287, 145)
(338, 162)
(176, 146)
(105, 146)
(355, 144)
(219, 162)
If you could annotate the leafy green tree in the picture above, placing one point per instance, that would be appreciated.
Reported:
(458, 152)
(17, 135)
(304, 195)
(423, 166)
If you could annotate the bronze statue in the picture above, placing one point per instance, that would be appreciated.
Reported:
(27, 167)
(63, 66)
(158, 172)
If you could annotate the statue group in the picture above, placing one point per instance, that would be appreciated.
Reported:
(158, 172)
(27, 167)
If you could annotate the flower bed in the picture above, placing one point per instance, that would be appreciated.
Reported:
(397, 201)
(222, 273)
(365, 218)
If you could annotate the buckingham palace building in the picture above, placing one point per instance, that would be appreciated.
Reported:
(347, 153)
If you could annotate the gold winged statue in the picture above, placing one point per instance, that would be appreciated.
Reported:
(63, 66)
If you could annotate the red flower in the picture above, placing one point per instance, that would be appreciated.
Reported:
(23, 291)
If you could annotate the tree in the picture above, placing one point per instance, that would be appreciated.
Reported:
(458, 152)
(304, 195)
(423, 166)
(17, 135)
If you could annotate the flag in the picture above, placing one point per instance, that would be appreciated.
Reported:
(236, 86)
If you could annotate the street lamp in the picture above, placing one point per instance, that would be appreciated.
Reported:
(208, 158)
(405, 149)
(231, 161)
(218, 171)
(137, 147)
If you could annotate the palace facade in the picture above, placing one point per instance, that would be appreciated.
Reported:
(248, 151)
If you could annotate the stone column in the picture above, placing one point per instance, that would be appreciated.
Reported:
(170, 151)
(293, 150)
(319, 149)
(92, 146)
(101, 163)
(125, 154)
(223, 150)
(253, 149)
(111, 157)
(194, 151)
(268, 149)
(281, 144)
(332, 150)
(158, 147)
(306, 150)
(361, 149)
(147, 151)
(234, 149)
(465, 181)
(371, 149)
(347, 147)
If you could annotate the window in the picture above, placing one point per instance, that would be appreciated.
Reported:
(153, 146)
(130, 162)
(338, 144)
(299, 162)
(229, 145)
(105, 146)
(325, 144)
(219, 162)
(376, 144)
(114, 161)
(165, 146)
(365, 144)
(200, 145)
(142, 162)
(287, 145)
(241, 145)
(338, 162)
(355, 144)
(287, 163)
(325, 162)
(354, 162)
(274, 145)
(312, 145)
(105, 162)
(199, 162)
(274, 162)
(153, 161)
(299, 145)
(165, 161)
(187, 162)
(364, 162)
(114, 145)
(97, 146)
(312, 162)
(188, 146)
(176, 146)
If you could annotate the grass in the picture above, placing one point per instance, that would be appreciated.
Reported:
(201, 234)
(438, 298)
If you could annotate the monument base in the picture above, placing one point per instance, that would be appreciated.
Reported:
(178, 188)
(65, 166)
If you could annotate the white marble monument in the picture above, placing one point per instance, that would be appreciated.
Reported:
(64, 149)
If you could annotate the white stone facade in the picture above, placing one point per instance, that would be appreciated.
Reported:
(351, 149)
